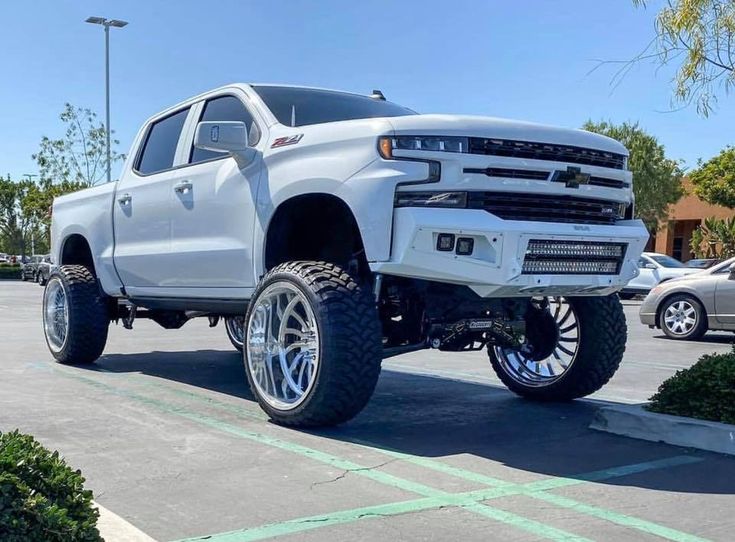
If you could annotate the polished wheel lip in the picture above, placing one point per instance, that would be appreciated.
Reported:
(529, 372)
(56, 314)
(283, 370)
(235, 326)
(680, 317)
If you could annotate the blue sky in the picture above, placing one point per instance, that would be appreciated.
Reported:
(526, 59)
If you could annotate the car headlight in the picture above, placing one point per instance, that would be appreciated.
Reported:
(386, 144)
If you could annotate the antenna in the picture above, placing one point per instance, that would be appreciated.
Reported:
(377, 95)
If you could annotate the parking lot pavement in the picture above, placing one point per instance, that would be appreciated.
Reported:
(167, 434)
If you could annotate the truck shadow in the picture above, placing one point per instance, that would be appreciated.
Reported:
(434, 417)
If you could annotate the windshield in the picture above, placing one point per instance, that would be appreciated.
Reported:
(304, 106)
(665, 261)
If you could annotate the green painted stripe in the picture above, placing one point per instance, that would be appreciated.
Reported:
(525, 524)
(620, 519)
(441, 498)
(503, 488)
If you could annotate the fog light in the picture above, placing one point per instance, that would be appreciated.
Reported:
(445, 242)
(465, 245)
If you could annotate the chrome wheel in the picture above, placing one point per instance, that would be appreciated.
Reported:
(55, 314)
(235, 326)
(537, 364)
(680, 317)
(282, 354)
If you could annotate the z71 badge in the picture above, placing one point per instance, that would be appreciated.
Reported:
(288, 140)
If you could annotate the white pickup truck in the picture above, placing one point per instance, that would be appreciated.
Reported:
(331, 230)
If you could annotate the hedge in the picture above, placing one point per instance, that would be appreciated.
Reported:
(9, 272)
(41, 497)
(706, 390)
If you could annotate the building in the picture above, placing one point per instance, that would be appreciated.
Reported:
(674, 237)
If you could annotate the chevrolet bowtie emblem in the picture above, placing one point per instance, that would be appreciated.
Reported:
(572, 177)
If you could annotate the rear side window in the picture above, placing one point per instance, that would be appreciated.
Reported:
(218, 109)
(159, 149)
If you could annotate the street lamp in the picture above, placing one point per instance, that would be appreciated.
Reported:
(107, 23)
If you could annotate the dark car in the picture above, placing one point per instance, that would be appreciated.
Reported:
(703, 263)
(37, 269)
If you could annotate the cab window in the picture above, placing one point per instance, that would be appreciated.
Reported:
(159, 149)
(218, 109)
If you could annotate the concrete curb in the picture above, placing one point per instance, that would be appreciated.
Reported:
(636, 422)
(113, 528)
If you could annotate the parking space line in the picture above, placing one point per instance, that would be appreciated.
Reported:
(499, 488)
(444, 498)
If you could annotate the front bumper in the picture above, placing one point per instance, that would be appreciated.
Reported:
(495, 267)
(649, 309)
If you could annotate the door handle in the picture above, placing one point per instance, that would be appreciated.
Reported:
(183, 187)
(125, 199)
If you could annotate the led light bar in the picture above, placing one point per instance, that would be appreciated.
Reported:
(568, 257)
(570, 267)
(585, 249)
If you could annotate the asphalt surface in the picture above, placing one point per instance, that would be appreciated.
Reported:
(168, 436)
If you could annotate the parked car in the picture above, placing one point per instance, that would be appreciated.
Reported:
(653, 269)
(36, 269)
(43, 270)
(685, 308)
(346, 229)
(4, 258)
(703, 263)
(29, 270)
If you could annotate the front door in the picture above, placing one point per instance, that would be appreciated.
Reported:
(725, 297)
(213, 212)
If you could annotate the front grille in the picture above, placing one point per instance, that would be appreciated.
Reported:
(546, 208)
(552, 257)
(539, 175)
(545, 151)
(507, 173)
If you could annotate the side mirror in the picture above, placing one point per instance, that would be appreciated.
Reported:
(650, 266)
(731, 269)
(225, 136)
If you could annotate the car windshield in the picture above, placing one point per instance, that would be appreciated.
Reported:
(304, 106)
(666, 261)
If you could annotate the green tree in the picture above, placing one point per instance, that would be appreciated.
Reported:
(656, 178)
(698, 36)
(80, 156)
(714, 180)
(16, 228)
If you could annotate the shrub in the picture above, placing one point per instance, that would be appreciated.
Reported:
(41, 498)
(706, 390)
(10, 272)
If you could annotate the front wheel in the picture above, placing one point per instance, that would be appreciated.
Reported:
(573, 347)
(683, 318)
(312, 344)
(75, 316)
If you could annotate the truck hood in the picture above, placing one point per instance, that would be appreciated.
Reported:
(492, 127)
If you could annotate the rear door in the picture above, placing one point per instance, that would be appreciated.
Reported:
(142, 210)
(213, 208)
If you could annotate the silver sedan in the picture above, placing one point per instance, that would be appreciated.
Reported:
(685, 308)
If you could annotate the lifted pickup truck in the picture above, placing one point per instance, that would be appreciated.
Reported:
(332, 230)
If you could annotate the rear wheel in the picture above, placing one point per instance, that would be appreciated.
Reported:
(573, 347)
(683, 318)
(312, 344)
(75, 317)
(234, 325)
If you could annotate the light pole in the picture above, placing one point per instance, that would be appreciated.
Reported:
(107, 23)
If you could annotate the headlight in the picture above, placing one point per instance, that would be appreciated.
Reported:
(386, 145)
(431, 199)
